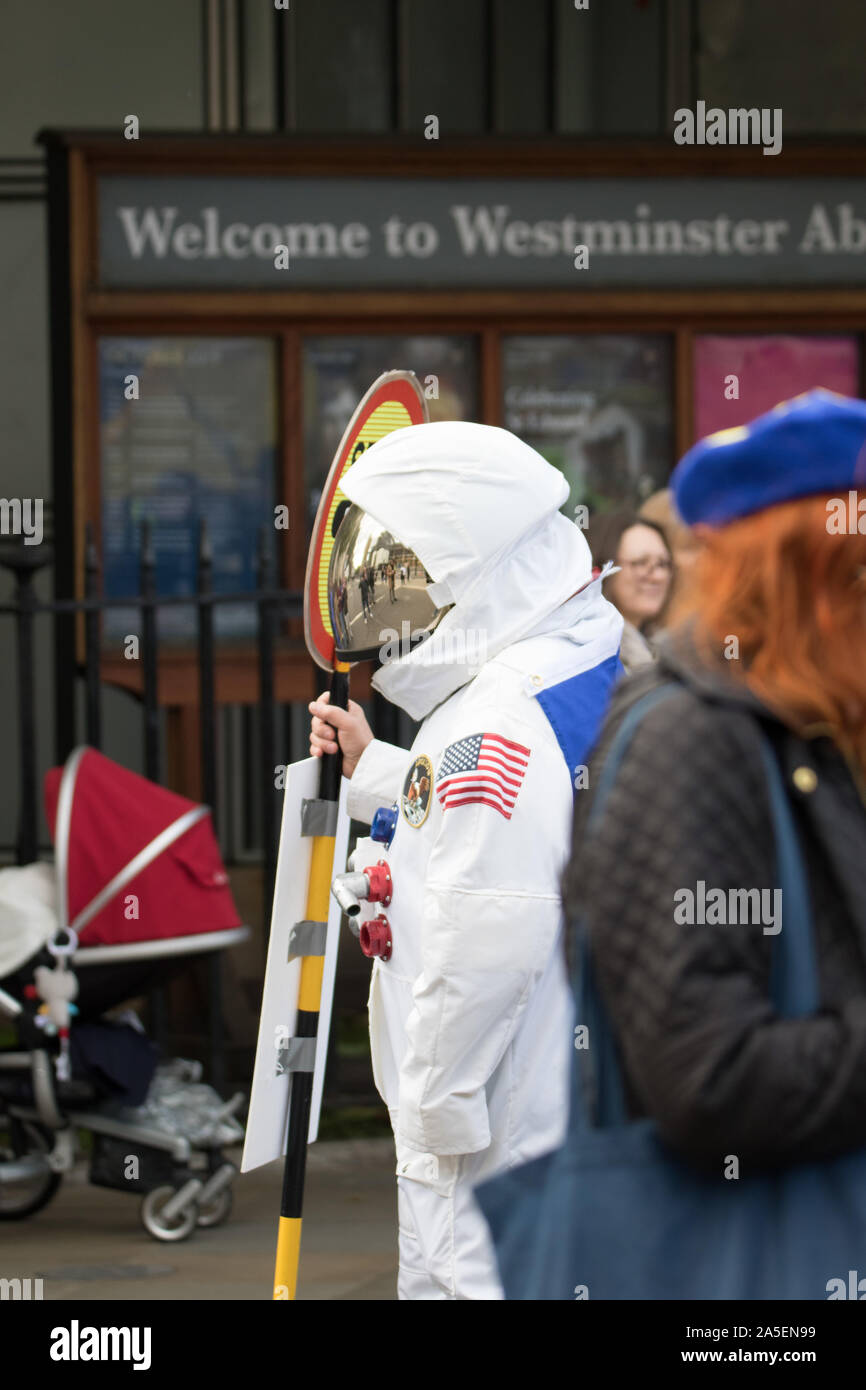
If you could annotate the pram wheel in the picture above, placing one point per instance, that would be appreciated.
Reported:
(20, 1199)
(217, 1211)
(162, 1227)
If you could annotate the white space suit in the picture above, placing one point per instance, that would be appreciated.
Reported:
(470, 1018)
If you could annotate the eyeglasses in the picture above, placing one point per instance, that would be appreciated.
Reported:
(647, 564)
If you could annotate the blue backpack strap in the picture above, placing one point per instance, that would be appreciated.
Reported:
(601, 1072)
(622, 739)
(794, 977)
(794, 987)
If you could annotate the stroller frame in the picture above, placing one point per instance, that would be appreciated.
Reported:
(186, 1182)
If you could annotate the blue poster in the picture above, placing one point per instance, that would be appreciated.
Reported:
(188, 431)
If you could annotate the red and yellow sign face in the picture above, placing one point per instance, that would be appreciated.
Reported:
(393, 401)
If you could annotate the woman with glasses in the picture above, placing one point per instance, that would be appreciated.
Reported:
(641, 588)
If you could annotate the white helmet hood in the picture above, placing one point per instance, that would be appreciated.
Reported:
(481, 511)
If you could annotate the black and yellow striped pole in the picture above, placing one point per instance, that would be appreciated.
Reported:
(307, 1021)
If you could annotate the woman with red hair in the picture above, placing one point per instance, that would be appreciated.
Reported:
(768, 654)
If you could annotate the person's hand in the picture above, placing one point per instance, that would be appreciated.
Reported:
(349, 726)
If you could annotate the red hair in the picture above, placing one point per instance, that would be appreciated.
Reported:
(795, 597)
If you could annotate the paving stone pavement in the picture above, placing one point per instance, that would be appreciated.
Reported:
(89, 1242)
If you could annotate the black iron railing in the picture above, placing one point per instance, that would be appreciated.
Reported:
(272, 605)
(273, 727)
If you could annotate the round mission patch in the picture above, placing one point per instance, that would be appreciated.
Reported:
(417, 791)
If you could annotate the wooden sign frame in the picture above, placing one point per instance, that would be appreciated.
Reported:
(82, 310)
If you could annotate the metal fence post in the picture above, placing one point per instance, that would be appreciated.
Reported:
(91, 641)
(149, 693)
(27, 845)
(149, 654)
(267, 722)
(208, 753)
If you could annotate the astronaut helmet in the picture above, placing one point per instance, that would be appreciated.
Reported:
(376, 586)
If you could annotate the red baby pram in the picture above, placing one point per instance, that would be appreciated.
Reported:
(139, 887)
(139, 876)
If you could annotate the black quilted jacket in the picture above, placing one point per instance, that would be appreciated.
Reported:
(702, 1049)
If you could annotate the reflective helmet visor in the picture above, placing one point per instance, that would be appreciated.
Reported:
(375, 585)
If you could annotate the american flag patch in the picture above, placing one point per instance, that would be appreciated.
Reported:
(483, 768)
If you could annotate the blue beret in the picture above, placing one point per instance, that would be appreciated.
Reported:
(815, 443)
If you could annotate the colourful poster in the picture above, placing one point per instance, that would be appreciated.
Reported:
(740, 376)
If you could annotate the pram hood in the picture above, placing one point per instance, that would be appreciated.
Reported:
(135, 862)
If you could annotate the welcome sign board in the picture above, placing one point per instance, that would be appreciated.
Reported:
(416, 233)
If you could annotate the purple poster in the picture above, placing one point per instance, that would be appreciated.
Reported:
(739, 377)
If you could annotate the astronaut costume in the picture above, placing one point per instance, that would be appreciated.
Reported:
(470, 1014)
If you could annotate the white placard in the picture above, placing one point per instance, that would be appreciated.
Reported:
(267, 1123)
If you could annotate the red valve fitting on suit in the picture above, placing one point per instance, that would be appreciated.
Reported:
(375, 937)
(372, 885)
(381, 888)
